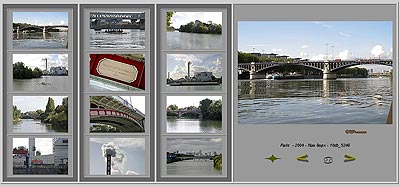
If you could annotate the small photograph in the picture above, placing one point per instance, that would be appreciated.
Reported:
(194, 114)
(194, 72)
(194, 156)
(116, 114)
(40, 156)
(117, 72)
(40, 114)
(315, 72)
(40, 30)
(117, 30)
(194, 30)
(40, 72)
(117, 156)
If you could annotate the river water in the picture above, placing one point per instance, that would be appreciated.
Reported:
(133, 39)
(34, 126)
(193, 126)
(193, 168)
(183, 40)
(50, 40)
(45, 83)
(341, 101)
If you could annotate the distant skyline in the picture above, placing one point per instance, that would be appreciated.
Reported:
(44, 145)
(33, 103)
(177, 64)
(131, 163)
(314, 39)
(183, 18)
(36, 60)
(184, 145)
(41, 18)
(185, 101)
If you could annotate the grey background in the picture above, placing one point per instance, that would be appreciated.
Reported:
(163, 92)
(7, 92)
(148, 92)
(375, 152)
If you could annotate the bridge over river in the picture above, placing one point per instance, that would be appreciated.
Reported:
(329, 68)
(116, 112)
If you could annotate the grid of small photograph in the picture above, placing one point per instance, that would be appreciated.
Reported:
(115, 64)
(192, 82)
(39, 93)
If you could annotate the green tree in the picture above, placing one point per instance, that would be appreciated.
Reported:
(50, 107)
(172, 107)
(169, 16)
(16, 113)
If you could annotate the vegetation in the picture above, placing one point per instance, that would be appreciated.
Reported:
(209, 109)
(16, 114)
(248, 57)
(169, 16)
(200, 27)
(353, 72)
(218, 162)
(20, 71)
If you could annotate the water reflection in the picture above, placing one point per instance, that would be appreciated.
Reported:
(278, 101)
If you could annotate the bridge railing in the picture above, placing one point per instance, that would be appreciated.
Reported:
(106, 112)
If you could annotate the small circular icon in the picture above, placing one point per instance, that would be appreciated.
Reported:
(328, 160)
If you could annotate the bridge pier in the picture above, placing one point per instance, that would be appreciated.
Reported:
(142, 24)
(328, 74)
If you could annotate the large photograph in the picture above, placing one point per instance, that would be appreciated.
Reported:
(315, 72)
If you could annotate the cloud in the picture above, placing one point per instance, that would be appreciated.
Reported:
(194, 144)
(345, 55)
(130, 172)
(62, 22)
(36, 60)
(183, 18)
(177, 64)
(318, 57)
(377, 50)
(322, 24)
(304, 54)
(277, 50)
(304, 46)
(344, 34)
(133, 143)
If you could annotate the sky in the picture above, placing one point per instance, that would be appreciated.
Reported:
(41, 18)
(33, 103)
(183, 18)
(177, 64)
(44, 145)
(185, 101)
(194, 144)
(139, 102)
(313, 39)
(36, 60)
(132, 148)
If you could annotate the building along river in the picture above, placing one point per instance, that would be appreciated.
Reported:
(193, 126)
(314, 101)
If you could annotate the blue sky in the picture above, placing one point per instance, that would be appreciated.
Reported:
(308, 39)
(41, 18)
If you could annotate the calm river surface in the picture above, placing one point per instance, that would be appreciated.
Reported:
(45, 83)
(183, 40)
(192, 168)
(341, 101)
(193, 126)
(50, 40)
(133, 39)
(34, 126)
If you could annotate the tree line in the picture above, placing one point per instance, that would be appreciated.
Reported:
(201, 27)
(209, 109)
(20, 71)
